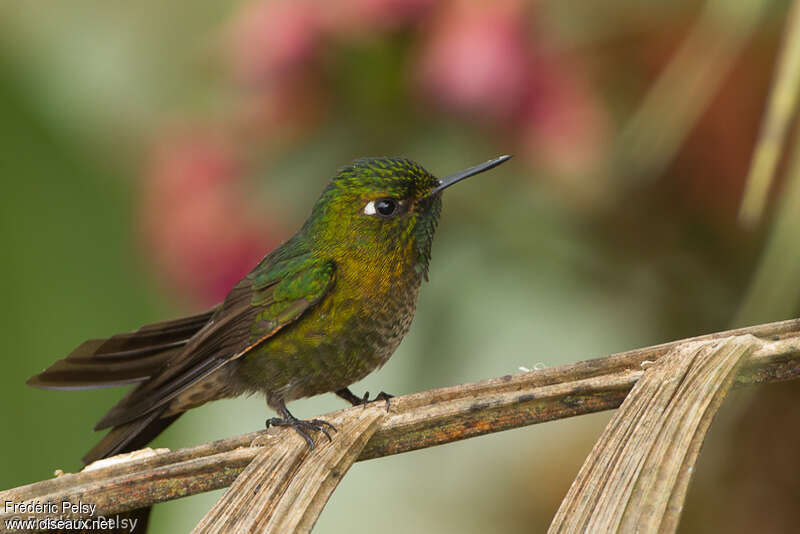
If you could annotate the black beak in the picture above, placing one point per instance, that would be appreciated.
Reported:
(447, 181)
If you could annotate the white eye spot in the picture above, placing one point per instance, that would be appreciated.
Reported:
(369, 209)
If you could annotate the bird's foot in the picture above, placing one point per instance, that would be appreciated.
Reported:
(380, 396)
(348, 395)
(302, 427)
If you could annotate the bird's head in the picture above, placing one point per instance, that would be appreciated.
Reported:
(383, 210)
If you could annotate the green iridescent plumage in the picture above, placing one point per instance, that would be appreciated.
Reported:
(320, 312)
(371, 267)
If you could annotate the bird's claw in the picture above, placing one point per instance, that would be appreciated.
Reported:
(302, 427)
(380, 396)
(348, 395)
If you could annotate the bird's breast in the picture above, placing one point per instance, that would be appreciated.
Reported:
(377, 307)
(351, 332)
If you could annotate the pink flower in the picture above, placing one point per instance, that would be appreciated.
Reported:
(563, 127)
(347, 17)
(200, 232)
(476, 60)
(273, 39)
(392, 13)
(281, 115)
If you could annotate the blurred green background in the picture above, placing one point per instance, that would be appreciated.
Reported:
(152, 153)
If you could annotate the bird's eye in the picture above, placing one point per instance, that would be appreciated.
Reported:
(386, 206)
(383, 207)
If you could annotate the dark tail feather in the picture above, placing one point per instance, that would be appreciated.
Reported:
(100, 373)
(121, 359)
(126, 438)
(130, 436)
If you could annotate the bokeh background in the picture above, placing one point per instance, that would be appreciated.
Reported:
(152, 152)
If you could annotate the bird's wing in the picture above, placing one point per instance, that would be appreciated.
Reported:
(274, 295)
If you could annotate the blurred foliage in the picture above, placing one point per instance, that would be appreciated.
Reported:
(153, 152)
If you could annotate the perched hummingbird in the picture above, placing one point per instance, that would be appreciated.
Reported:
(320, 312)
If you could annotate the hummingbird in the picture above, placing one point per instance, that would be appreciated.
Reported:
(320, 312)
